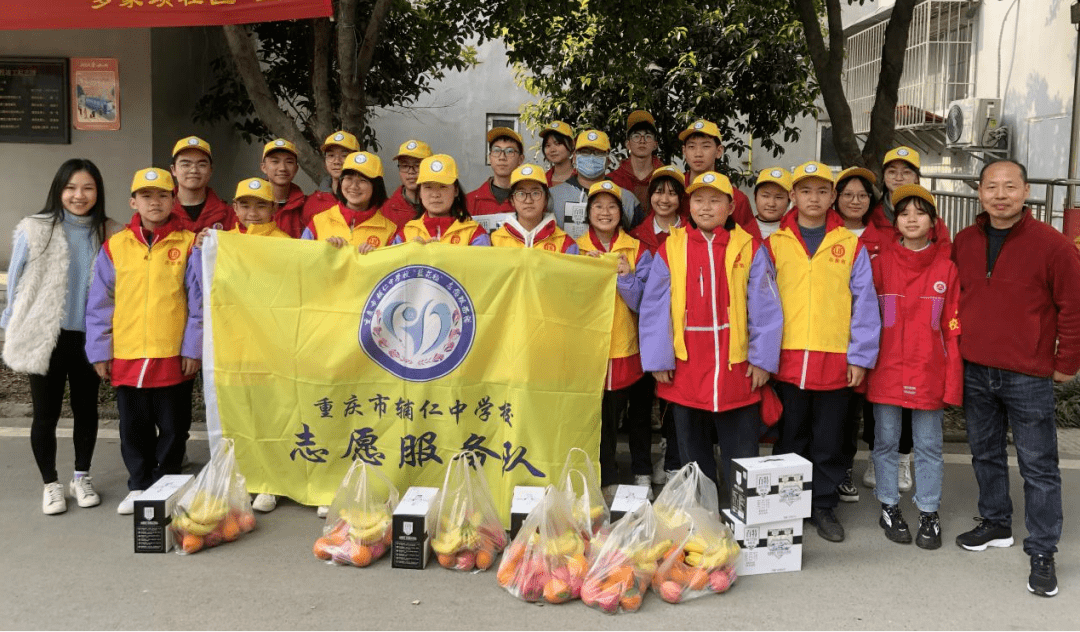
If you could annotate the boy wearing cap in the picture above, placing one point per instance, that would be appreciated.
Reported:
(558, 144)
(279, 165)
(831, 331)
(532, 226)
(506, 153)
(570, 199)
(711, 324)
(144, 332)
(335, 148)
(772, 196)
(254, 208)
(702, 150)
(404, 205)
(636, 170)
(194, 202)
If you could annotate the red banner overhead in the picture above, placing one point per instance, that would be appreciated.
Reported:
(108, 14)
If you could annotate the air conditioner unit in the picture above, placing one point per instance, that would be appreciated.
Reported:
(970, 121)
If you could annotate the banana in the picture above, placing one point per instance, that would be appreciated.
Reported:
(693, 559)
(188, 524)
(442, 546)
(695, 545)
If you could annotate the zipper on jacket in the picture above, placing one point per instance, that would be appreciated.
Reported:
(715, 328)
(146, 302)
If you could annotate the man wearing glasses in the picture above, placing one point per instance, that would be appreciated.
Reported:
(505, 153)
(635, 171)
(194, 202)
(404, 205)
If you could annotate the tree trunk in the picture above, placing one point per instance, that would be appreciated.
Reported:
(322, 121)
(243, 54)
(353, 63)
(883, 116)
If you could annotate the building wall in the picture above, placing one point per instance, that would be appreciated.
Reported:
(27, 170)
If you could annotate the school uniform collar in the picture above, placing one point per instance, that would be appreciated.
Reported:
(543, 230)
(161, 232)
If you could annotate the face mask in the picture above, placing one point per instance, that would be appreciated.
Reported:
(590, 166)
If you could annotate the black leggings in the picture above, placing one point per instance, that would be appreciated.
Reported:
(68, 365)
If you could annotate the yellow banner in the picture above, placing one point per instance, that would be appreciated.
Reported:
(316, 356)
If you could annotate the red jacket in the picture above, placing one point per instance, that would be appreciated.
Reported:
(318, 202)
(645, 233)
(550, 174)
(1014, 314)
(215, 214)
(919, 363)
(482, 202)
(291, 216)
(886, 231)
(740, 210)
(399, 210)
(626, 179)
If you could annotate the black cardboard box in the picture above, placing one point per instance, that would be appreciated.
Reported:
(414, 519)
(153, 514)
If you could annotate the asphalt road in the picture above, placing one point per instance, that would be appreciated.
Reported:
(78, 571)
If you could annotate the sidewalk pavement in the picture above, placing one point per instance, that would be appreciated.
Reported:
(78, 571)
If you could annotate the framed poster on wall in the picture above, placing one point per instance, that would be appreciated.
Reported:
(33, 100)
(95, 94)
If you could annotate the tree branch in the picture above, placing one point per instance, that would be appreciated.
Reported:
(883, 115)
(353, 64)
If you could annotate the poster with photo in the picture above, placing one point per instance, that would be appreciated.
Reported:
(95, 94)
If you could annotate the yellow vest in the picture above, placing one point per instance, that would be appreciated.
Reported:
(624, 329)
(151, 297)
(553, 242)
(376, 230)
(459, 232)
(815, 292)
(738, 256)
(269, 229)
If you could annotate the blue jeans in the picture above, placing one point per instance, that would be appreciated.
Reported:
(992, 399)
(929, 466)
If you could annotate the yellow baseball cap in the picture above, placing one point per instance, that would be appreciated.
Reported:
(280, 144)
(639, 116)
(812, 169)
(152, 178)
(496, 132)
(341, 138)
(191, 142)
(594, 139)
(913, 190)
(668, 171)
(701, 126)
(256, 188)
(905, 154)
(557, 127)
(439, 168)
(776, 175)
(711, 180)
(528, 173)
(413, 149)
(365, 163)
(861, 172)
(606, 186)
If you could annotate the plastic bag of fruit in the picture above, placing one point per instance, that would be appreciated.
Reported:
(468, 532)
(214, 507)
(623, 568)
(359, 525)
(703, 562)
(579, 479)
(547, 560)
(687, 488)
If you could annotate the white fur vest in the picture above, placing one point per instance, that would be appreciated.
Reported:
(39, 304)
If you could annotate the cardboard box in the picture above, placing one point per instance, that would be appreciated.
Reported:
(525, 498)
(153, 514)
(414, 519)
(627, 499)
(771, 488)
(773, 547)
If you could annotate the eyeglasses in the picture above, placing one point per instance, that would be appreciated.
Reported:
(856, 197)
(642, 136)
(503, 152)
(522, 196)
(408, 168)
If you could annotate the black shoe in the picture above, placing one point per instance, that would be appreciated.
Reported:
(828, 527)
(847, 490)
(1042, 581)
(984, 535)
(929, 535)
(893, 522)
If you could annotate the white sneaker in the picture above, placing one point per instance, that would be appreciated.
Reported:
(904, 477)
(264, 503)
(53, 501)
(127, 505)
(83, 490)
(322, 511)
(870, 478)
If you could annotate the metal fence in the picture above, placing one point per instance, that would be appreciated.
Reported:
(958, 199)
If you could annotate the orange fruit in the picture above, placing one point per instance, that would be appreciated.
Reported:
(630, 603)
(484, 559)
(506, 573)
(246, 522)
(699, 578)
(230, 528)
(191, 543)
(621, 576)
(322, 549)
(361, 556)
(556, 591)
(338, 534)
(447, 560)
(578, 565)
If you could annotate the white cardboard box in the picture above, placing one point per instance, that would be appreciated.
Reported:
(525, 498)
(771, 488)
(627, 499)
(153, 514)
(413, 520)
(773, 547)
